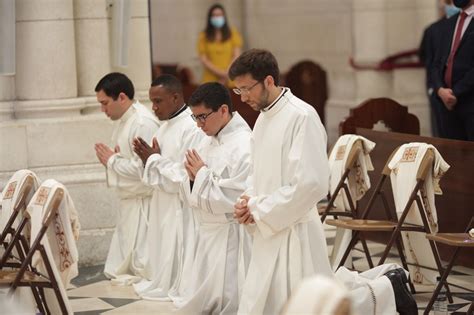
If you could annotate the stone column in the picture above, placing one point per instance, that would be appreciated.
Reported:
(7, 58)
(91, 29)
(46, 78)
(139, 59)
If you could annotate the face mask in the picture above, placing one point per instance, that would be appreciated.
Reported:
(461, 3)
(451, 10)
(217, 21)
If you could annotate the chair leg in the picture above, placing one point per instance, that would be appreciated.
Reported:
(405, 264)
(366, 251)
(470, 311)
(54, 283)
(39, 301)
(349, 248)
(442, 282)
(43, 296)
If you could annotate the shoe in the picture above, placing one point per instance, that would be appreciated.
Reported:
(406, 304)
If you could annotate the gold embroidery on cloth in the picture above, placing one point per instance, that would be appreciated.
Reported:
(429, 213)
(42, 196)
(64, 253)
(340, 152)
(418, 277)
(10, 191)
(409, 154)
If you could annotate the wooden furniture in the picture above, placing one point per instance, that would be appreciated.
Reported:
(308, 81)
(458, 241)
(452, 206)
(27, 275)
(394, 115)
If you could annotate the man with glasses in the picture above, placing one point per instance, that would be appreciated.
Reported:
(218, 169)
(170, 236)
(290, 176)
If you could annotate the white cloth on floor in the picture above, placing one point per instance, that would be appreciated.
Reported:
(404, 165)
(170, 236)
(59, 241)
(358, 182)
(127, 254)
(319, 295)
(371, 292)
(217, 266)
(290, 175)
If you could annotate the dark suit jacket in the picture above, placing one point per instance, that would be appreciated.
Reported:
(430, 42)
(463, 66)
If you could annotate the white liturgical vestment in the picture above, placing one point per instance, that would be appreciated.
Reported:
(358, 182)
(404, 165)
(218, 265)
(290, 175)
(126, 259)
(171, 233)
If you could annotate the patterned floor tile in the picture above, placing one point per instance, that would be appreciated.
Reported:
(104, 289)
(89, 304)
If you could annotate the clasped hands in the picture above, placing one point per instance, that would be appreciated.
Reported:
(193, 164)
(104, 152)
(143, 149)
(448, 98)
(242, 211)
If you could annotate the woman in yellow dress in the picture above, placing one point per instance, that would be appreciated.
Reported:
(218, 46)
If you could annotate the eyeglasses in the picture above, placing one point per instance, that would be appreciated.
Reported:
(201, 117)
(245, 90)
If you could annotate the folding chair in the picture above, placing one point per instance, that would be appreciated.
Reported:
(459, 241)
(396, 226)
(39, 268)
(342, 184)
(18, 192)
(358, 226)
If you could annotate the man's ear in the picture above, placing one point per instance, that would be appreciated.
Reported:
(268, 81)
(225, 108)
(122, 97)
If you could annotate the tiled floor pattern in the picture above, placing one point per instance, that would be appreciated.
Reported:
(91, 293)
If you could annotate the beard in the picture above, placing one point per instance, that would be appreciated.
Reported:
(263, 101)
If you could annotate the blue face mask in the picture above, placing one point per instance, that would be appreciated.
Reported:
(217, 21)
(451, 10)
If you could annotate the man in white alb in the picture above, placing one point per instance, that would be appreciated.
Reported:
(218, 170)
(290, 175)
(171, 233)
(126, 259)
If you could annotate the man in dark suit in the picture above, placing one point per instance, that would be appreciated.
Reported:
(452, 74)
(430, 42)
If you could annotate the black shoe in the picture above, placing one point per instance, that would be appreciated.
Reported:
(406, 304)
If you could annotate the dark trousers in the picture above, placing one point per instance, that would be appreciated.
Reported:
(456, 124)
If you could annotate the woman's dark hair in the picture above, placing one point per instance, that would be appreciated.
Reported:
(211, 30)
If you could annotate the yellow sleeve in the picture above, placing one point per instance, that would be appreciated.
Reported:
(201, 46)
(236, 38)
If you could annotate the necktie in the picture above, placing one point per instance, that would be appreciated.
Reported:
(448, 75)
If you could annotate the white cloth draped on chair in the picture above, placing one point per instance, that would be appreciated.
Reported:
(59, 240)
(358, 182)
(11, 194)
(404, 165)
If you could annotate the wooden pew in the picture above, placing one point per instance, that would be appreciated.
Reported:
(455, 206)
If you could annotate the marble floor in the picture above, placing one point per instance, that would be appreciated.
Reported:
(91, 293)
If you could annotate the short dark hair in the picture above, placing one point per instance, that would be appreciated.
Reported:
(213, 95)
(258, 62)
(169, 82)
(115, 83)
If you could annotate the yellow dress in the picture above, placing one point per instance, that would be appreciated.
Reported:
(219, 54)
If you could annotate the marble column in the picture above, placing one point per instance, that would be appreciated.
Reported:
(46, 77)
(139, 58)
(7, 58)
(91, 29)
